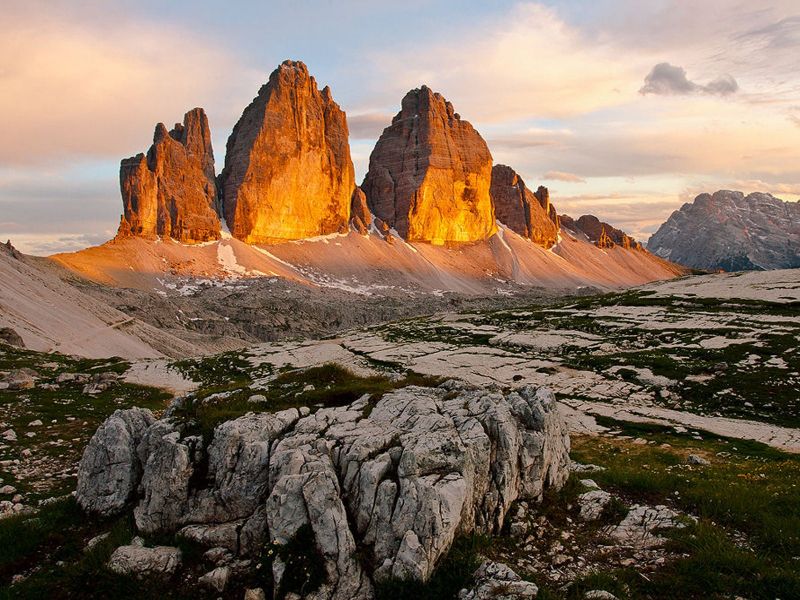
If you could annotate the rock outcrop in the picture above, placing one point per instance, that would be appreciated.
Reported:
(111, 468)
(288, 173)
(732, 232)
(360, 217)
(11, 337)
(600, 233)
(395, 479)
(528, 214)
(429, 174)
(171, 191)
(496, 581)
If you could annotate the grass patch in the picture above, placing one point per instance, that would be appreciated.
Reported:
(748, 488)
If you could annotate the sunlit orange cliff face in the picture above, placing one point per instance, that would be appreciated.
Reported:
(429, 174)
(288, 173)
(170, 191)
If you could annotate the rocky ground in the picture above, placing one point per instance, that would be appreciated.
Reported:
(683, 414)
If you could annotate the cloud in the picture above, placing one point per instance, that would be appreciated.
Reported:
(72, 89)
(54, 243)
(563, 176)
(638, 215)
(522, 62)
(368, 126)
(668, 80)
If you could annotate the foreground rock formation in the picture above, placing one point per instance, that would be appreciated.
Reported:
(288, 173)
(530, 215)
(397, 479)
(430, 173)
(171, 191)
(600, 233)
(731, 232)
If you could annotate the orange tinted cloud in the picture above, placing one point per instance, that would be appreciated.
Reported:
(69, 90)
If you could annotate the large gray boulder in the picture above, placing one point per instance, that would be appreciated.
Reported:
(496, 581)
(139, 561)
(110, 470)
(396, 480)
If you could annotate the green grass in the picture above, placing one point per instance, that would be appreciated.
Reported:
(748, 488)
(69, 417)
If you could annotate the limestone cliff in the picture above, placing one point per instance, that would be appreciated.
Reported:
(732, 232)
(521, 210)
(600, 233)
(430, 173)
(170, 192)
(288, 173)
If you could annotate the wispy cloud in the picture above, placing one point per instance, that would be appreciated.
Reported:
(73, 90)
(563, 176)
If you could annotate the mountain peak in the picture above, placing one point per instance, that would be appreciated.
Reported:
(171, 191)
(430, 172)
(730, 231)
(288, 173)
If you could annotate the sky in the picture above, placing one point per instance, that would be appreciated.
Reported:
(624, 109)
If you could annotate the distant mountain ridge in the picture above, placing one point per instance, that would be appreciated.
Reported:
(731, 232)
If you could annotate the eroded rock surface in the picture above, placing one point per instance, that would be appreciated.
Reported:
(430, 173)
(521, 210)
(171, 191)
(288, 173)
(496, 581)
(598, 232)
(11, 337)
(360, 217)
(140, 561)
(397, 479)
(110, 469)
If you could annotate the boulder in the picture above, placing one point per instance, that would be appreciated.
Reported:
(11, 337)
(397, 480)
(639, 529)
(429, 174)
(110, 470)
(496, 581)
(22, 379)
(139, 561)
(171, 191)
(288, 173)
(521, 210)
(592, 504)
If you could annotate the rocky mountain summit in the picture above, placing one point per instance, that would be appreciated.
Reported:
(288, 173)
(171, 191)
(430, 172)
(600, 233)
(529, 214)
(380, 488)
(731, 232)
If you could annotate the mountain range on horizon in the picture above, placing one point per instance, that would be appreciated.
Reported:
(729, 231)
